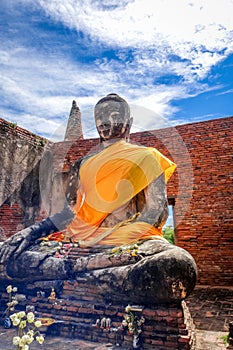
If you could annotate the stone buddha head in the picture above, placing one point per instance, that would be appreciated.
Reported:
(112, 118)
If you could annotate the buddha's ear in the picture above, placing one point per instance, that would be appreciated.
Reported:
(128, 127)
(130, 122)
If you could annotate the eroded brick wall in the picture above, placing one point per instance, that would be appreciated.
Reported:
(20, 154)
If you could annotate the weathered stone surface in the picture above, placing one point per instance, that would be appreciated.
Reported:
(158, 272)
(20, 155)
(163, 273)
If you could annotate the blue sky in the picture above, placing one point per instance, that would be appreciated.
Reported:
(172, 60)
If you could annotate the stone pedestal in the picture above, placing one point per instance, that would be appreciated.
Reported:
(166, 326)
(91, 303)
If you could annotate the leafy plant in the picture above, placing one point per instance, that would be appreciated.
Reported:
(13, 125)
(131, 249)
(168, 233)
(225, 339)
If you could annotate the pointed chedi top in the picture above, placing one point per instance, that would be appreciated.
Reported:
(74, 126)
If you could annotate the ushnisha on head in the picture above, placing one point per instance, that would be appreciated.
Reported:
(112, 118)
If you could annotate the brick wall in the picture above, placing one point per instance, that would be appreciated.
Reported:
(167, 326)
(11, 218)
(206, 231)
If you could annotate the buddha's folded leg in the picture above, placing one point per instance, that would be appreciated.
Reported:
(166, 276)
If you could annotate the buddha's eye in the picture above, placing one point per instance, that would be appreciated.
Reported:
(104, 126)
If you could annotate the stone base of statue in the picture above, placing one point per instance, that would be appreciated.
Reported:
(165, 325)
(94, 285)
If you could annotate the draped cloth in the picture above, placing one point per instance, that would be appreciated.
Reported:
(109, 180)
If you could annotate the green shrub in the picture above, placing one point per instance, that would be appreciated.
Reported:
(168, 233)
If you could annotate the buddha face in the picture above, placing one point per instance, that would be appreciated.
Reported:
(111, 120)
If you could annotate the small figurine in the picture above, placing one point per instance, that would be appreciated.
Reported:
(30, 308)
(52, 295)
(97, 324)
(108, 323)
(103, 323)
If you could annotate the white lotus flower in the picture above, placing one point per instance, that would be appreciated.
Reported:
(9, 289)
(16, 340)
(38, 324)
(40, 339)
(30, 317)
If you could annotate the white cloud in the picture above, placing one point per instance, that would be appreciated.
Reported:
(146, 119)
(145, 21)
(185, 28)
(41, 87)
(230, 91)
(182, 39)
(52, 129)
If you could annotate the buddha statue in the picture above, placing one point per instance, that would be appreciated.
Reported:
(117, 208)
(52, 295)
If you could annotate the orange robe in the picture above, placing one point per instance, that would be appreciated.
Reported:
(109, 180)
